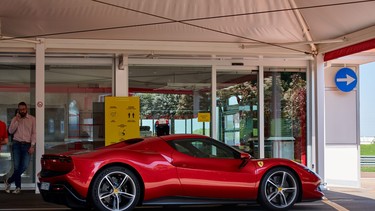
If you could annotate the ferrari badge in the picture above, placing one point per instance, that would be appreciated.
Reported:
(260, 163)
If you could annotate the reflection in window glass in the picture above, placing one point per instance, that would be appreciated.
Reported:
(17, 76)
(147, 127)
(75, 101)
(230, 138)
(189, 126)
(174, 93)
(203, 148)
(285, 114)
(229, 122)
(236, 121)
(202, 128)
(232, 101)
(237, 109)
(180, 126)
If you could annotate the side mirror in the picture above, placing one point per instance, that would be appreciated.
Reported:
(245, 156)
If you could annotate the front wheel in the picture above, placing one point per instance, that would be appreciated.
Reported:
(279, 189)
(115, 188)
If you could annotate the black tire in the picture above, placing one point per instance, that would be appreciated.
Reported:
(115, 188)
(279, 189)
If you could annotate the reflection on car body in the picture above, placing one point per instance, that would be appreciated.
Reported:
(172, 170)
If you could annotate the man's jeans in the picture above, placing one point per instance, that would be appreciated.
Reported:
(21, 159)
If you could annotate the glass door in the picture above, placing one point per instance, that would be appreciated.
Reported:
(17, 75)
(237, 109)
(285, 113)
(74, 101)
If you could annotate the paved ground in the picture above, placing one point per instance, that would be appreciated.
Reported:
(367, 187)
(338, 198)
(362, 198)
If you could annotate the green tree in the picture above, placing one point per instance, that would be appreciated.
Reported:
(185, 106)
(146, 102)
(158, 105)
(295, 104)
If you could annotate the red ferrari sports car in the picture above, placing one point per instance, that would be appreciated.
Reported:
(173, 170)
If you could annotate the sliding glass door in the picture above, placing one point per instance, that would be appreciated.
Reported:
(237, 109)
(285, 113)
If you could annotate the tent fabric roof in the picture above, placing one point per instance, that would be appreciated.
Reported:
(253, 22)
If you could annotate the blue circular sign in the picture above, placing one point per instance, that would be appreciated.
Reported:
(346, 79)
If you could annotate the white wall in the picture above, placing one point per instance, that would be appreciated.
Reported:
(342, 166)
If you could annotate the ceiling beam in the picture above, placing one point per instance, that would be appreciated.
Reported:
(305, 28)
(168, 47)
(350, 39)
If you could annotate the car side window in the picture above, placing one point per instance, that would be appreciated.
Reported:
(203, 148)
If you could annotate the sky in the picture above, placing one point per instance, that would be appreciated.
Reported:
(367, 99)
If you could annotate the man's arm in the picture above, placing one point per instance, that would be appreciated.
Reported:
(33, 136)
(13, 125)
(33, 132)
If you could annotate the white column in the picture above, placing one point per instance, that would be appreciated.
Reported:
(39, 106)
(261, 111)
(310, 118)
(213, 102)
(319, 91)
(121, 76)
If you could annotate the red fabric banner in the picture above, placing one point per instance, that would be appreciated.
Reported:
(356, 48)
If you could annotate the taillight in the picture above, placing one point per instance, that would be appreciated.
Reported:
(57, 163)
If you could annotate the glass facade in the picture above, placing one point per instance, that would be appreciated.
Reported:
(175, 95)
(74, 99)
(17, 75)
(74, 103)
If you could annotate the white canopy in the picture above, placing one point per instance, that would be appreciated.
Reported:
(289, 26)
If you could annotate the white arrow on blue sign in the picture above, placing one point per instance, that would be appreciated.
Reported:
(346, 79)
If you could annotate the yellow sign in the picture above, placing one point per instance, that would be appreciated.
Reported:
(121, 119)
(260, 163)
(204, 117)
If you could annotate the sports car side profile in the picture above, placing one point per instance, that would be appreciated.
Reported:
(173, 170)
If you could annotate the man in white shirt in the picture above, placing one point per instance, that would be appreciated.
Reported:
(24, 139)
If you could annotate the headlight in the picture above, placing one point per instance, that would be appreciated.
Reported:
(309, 170)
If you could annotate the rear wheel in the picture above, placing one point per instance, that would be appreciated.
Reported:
(115, 188)
(279, 189)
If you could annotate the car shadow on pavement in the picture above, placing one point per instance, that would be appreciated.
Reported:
(29, 200)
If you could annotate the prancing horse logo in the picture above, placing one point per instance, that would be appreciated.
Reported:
(260, 163)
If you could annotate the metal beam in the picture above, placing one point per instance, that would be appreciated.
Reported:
(166, 47)
(350, 39)
(304, 26)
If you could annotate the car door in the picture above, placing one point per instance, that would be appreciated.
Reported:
(211, 169)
